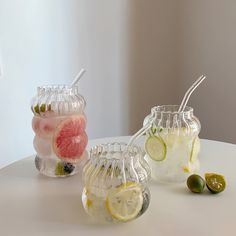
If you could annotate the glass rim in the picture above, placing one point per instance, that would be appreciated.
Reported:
(57, 88)
(162, 109)
(102, 151)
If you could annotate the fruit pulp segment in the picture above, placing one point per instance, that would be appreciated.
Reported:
(215, 183)
(70, 138)
(125, 202)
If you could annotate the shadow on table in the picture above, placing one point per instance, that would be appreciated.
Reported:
(54, 200)
(22, 169)
(67, 210)
(64, 208)
(179, 188)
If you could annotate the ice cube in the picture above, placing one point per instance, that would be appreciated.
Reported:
(43, 146)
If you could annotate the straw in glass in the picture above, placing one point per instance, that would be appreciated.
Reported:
(189, 92)
(77, 78)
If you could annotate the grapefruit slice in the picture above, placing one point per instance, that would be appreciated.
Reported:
(70, 138)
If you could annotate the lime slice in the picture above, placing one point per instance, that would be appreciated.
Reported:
(42, 108)
(215, 182)
(125, 202)
(156, 148)
(195, 149)
(64, 168)
(36, 109)
(59, 171)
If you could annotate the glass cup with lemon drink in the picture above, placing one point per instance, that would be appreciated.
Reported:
(172, 144)
(115, 183)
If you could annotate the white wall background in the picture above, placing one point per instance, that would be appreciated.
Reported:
(137, 54)
(36, 40)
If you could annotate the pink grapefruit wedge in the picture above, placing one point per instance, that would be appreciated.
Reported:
(70, 138)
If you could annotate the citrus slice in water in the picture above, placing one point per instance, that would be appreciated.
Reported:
(155, 148)
(125, 202)
(88, 199)
(64, 168)
(70, 139)
(195, 149)
(215, 182)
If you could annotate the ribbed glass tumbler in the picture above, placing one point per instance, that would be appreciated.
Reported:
(59, 124)
(116, 183)
(172, 144)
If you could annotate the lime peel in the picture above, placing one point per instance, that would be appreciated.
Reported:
(195, 149)
(156, 148)
(196, 183)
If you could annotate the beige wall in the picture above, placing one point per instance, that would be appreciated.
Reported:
(171, 44)
(207, 44)
(130, 53)
(152, 57)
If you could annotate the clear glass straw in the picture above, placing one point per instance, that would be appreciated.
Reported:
(77, 78)
(189, 92)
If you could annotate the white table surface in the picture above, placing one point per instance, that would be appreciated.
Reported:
(32, 204)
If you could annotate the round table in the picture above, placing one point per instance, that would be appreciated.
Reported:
(32, 204)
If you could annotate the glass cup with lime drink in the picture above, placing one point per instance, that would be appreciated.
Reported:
(172, 144)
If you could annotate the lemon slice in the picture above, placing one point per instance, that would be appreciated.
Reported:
(125, 202)
(88, 200)
(195, 149)
(186, 169)
(155, 148)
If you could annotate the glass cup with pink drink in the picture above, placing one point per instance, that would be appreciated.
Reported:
(59, 125)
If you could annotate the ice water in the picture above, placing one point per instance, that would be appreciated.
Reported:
(180, 158)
